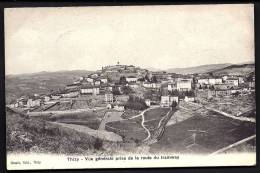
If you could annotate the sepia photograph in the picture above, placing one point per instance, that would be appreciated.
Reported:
(130, 86)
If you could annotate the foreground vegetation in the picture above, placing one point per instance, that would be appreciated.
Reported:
(35, 135)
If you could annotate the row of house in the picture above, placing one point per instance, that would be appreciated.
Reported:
(167, 100)
(180, 85)
(225, 79)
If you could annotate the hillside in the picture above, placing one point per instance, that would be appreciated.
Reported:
(24, 134)
(239, 69)
(30, 135)
(42, 82)
(198, 69)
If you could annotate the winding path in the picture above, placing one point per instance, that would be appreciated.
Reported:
(143, 121)
(148, 132)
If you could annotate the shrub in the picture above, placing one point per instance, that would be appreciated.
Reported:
(98, 144)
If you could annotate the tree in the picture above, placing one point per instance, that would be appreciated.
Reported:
(116, 91)
(147, 78)
(175, 93)
(136, 103)
(154, 79)
(127, 90)
(122, 80)
(141, 79)
(174, 104)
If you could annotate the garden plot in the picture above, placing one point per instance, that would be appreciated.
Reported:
(234, 104)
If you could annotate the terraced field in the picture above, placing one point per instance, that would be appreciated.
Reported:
(202, 134)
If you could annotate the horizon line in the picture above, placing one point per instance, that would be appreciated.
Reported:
(157, 69)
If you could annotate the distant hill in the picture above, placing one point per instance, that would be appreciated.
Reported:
(55, 73)
(237, 69)
(198, 69)
(153, 69)
(41, 83)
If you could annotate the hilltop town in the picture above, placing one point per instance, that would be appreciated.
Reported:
(112, 85)
(138, 106)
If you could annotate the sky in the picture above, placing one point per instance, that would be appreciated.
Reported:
(162, 37)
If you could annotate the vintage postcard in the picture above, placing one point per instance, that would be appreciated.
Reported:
(130, 86)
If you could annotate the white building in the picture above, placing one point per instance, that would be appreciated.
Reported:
(133, 85)
(119, 107)
(184, 85)
(233, 81)
(88, 79)
(103, 80)
(203, 81)
(14, 105)
(90, 90)
(147, 85)
(46, 98)
(180, 79)
(166, 101)
(33, 103)
(156, 85)
(70, 94)
(241, 80)
(213, 81)
(131, 79)
(225, 78)
(148, 102)
(210, 81)
(189, 99)
(172, 86)
(55, 97)
(109, 98)
(81, 78)
(97, 82)
(151, 85)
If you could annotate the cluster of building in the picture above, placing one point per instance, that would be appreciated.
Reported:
(176, 86)
(207, 87)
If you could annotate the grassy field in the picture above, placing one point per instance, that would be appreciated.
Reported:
(212, 133)
(125, 125)
(249, 146)
(152, 124)
(129, 136)
(128, 129)
(156, 113)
